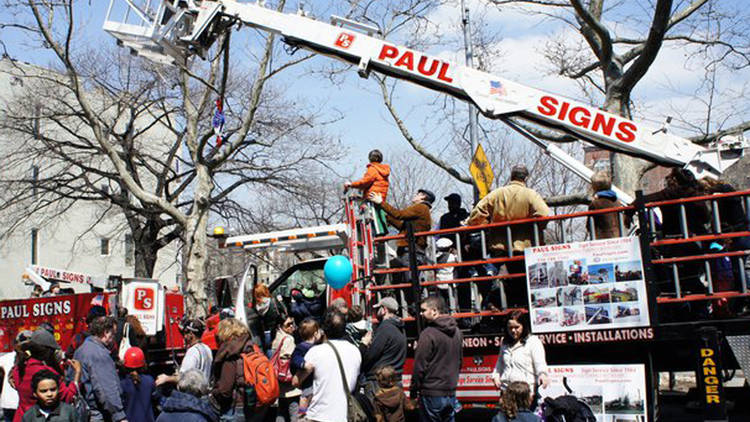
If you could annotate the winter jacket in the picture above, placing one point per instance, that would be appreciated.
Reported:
(606, 226)
(355, 331)
(511, 202)
(138, 399)
(391, 405)
(285, 341)
(62, 413)
(374, 180)
(697, 212)
(437, 360)
(270, 321)
(183, 407)
(26, 398)
(99, 381)
(388, 347)
(298, 361)
(523, 360)
(419, 214)
(522, 416)
(303, 307)
(227, 372)
(733, 217)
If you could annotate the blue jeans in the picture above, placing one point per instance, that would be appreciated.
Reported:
(237, 414)
(8, 414)
(437, 409)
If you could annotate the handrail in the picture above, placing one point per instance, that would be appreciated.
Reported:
(697, 198)
(507, 223)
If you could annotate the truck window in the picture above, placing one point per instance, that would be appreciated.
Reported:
(302, 279)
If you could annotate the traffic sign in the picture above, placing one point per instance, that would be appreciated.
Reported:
(481, 171)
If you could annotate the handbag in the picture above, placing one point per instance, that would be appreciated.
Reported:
(80, 406)
(354, 410)
(281, 365)
(124, 341)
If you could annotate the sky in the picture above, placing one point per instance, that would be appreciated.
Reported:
(520, 37)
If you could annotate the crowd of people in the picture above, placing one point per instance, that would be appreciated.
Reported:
(320, 365)
(323, 359)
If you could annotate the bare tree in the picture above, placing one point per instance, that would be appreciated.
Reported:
(261, 144)
(620, 42)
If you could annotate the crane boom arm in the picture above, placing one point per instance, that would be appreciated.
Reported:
(495, 97)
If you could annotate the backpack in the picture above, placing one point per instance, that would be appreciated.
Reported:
(261, 380)
(567, 409)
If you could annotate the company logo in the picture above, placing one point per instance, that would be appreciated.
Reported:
(144, 299)
(589, 119)
(344, 40)
(416, 63)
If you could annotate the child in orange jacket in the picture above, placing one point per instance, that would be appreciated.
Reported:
(374, 180)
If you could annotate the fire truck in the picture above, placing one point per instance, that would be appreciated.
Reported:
(691, 325)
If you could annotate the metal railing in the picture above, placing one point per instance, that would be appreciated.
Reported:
(666, 270)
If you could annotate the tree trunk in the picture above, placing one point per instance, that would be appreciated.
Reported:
(626, 171)
(146, 245)
(196, 246)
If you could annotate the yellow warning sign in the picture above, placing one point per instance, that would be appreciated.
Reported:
(481, 171)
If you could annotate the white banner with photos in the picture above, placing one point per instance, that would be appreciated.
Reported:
(584, 286)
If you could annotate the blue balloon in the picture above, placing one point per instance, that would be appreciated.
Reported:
(337, 271)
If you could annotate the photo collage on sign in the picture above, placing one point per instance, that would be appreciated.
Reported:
(613, 393)
(576, 294)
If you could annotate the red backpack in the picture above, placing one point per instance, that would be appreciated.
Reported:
(261, 380)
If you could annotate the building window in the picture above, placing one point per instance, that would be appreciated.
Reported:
(129, 250)
(34, 180)
(104, 246)
(34, 246)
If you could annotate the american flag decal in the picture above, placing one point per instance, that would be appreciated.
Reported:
(497, 88)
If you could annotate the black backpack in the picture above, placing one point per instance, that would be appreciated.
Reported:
(567, 409)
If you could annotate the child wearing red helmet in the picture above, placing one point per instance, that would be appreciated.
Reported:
(139, 392)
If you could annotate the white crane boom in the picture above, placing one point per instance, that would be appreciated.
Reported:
(180, 28)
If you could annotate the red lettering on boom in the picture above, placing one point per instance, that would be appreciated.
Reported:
(588, 118)
(442, 75)
(388, 51)
(407, 60)
(421, 67)
(603, 124)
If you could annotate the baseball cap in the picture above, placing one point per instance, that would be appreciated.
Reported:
(42, 337)
(194, 326)
(388, 303)
(430, 197)
(453, 197)
(23, 336)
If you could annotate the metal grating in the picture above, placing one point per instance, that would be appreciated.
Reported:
(740, 346)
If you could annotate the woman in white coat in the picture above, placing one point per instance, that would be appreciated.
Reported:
(521, 356)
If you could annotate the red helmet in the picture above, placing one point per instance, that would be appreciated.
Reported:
(134, 358)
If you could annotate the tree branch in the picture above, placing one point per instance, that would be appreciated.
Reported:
(413, 142)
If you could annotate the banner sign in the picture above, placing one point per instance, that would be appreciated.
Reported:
(613, 392)
(145, 301)
(67, 314)
(584, 286)
(69, 276)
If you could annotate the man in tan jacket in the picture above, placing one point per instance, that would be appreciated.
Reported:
(513, 201)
